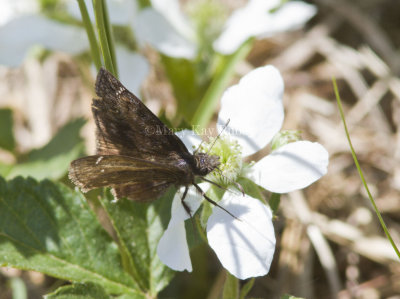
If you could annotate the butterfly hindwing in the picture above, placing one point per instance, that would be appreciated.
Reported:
(133, 178)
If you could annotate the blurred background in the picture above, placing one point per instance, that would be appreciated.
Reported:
(329, 241)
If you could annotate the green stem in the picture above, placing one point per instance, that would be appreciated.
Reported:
(110, 36)
(101, 29)
(210, 100)
(274, 202)
(94, 47)
(353, 153)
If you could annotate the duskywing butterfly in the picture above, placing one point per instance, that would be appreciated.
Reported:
(137, 155)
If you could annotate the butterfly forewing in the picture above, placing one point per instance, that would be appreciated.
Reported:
(125, 126)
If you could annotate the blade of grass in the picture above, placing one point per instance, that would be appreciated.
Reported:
(353, 153)
(209, 102)
(101, 29)
(110, 36)
(94, 47)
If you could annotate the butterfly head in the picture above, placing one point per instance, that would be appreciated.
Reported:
(205, 163)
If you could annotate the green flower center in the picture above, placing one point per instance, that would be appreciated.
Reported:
(284, 137)
(230, 153)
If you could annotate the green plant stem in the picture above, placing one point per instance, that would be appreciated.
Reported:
(353, 153)
(102, 31)
(274, 202)
(94, 47)
(110, 36)
(209, 102)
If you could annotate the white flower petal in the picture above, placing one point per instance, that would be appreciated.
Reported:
(293, 15)
(153, 28)
(291, 167)
(244, 23)
(192, 200)
(173, 250)
(133, 68)
(245, 247)
(42, 31)
(170, 9)
(11, 9)
(254, 108)
(256, 20)
(190, 139)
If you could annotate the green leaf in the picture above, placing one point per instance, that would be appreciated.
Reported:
(231, 287)
(221, 79)
(79, 291)
(139, 227)
(5, 169)
(274, 202)
(250, 188)
(49, 228)
(7, 140)
(64, 141)
(216, 194)
(187, 90)
(52, 168)
(246, 288)
(53, 159)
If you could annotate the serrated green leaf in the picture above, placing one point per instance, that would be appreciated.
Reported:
(50, 228)
(231, 287)
(139, 227)
(79, 291)
(7, 140)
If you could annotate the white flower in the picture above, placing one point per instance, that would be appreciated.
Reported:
(177, 257)
(12, 8)
(28, 28)
(245, 247)
(21, 33)
(165, 27)
(257, 20)
(133, 68)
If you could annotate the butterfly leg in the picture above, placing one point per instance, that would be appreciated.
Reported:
(184, 204)
(186, 207)
(212, 201)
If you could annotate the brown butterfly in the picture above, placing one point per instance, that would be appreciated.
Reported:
(137, 155)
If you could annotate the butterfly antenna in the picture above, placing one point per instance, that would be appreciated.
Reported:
(215, 140)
